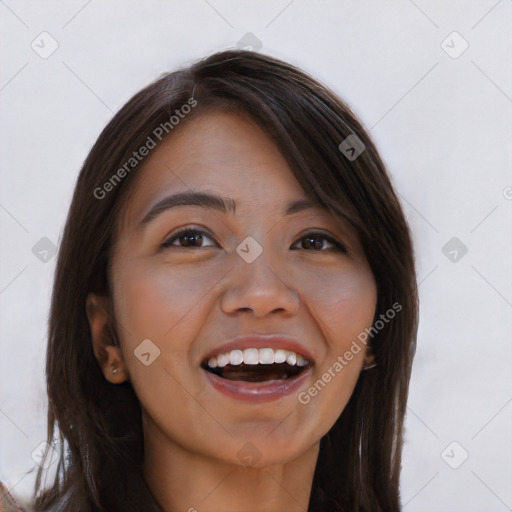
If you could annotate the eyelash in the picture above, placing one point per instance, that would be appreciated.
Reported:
(338, 246)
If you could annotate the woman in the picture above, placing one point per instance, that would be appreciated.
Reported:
(235, 307)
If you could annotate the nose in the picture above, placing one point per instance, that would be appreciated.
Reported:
(259, 288)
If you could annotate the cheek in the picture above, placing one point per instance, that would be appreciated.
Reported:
(344, 303)
(166, 306)
(153, 301)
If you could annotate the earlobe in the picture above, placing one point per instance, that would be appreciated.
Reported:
(105, 349)
(369, 361)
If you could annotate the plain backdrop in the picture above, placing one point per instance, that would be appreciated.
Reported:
(431, 80)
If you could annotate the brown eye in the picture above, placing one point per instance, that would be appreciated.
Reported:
(320, 242)
(315, 243)
(189, 238)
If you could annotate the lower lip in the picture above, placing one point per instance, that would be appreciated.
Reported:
(257, 392)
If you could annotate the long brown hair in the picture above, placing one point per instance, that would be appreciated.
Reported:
(98, 424)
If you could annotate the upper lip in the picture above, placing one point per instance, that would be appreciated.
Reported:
(274, 341)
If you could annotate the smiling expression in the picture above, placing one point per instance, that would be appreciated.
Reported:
(213, 196)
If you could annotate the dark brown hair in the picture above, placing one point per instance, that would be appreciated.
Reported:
(98, 424)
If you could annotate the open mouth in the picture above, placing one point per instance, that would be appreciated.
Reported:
(257, 365)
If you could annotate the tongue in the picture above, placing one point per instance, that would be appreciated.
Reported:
(258, 373)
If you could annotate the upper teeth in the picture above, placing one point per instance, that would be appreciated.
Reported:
(257, 356)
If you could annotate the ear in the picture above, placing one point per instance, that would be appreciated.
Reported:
(369, 359)
(369, 362)
(108, 354)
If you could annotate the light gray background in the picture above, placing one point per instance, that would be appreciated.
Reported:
(442, 124)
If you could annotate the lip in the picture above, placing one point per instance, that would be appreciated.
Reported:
(266, 391)
(273, 341)
(257, 392)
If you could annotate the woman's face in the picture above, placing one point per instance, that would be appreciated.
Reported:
(252, 269)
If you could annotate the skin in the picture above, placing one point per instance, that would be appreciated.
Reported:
(188, 300)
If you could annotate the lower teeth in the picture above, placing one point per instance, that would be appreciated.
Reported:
(256, 373)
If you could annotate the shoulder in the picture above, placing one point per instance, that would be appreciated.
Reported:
(7, 501)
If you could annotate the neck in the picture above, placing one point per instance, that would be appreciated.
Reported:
(183, 481)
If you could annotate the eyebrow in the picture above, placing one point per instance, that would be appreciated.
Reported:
(214, 202)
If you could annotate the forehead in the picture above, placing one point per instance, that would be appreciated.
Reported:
(217, 150)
